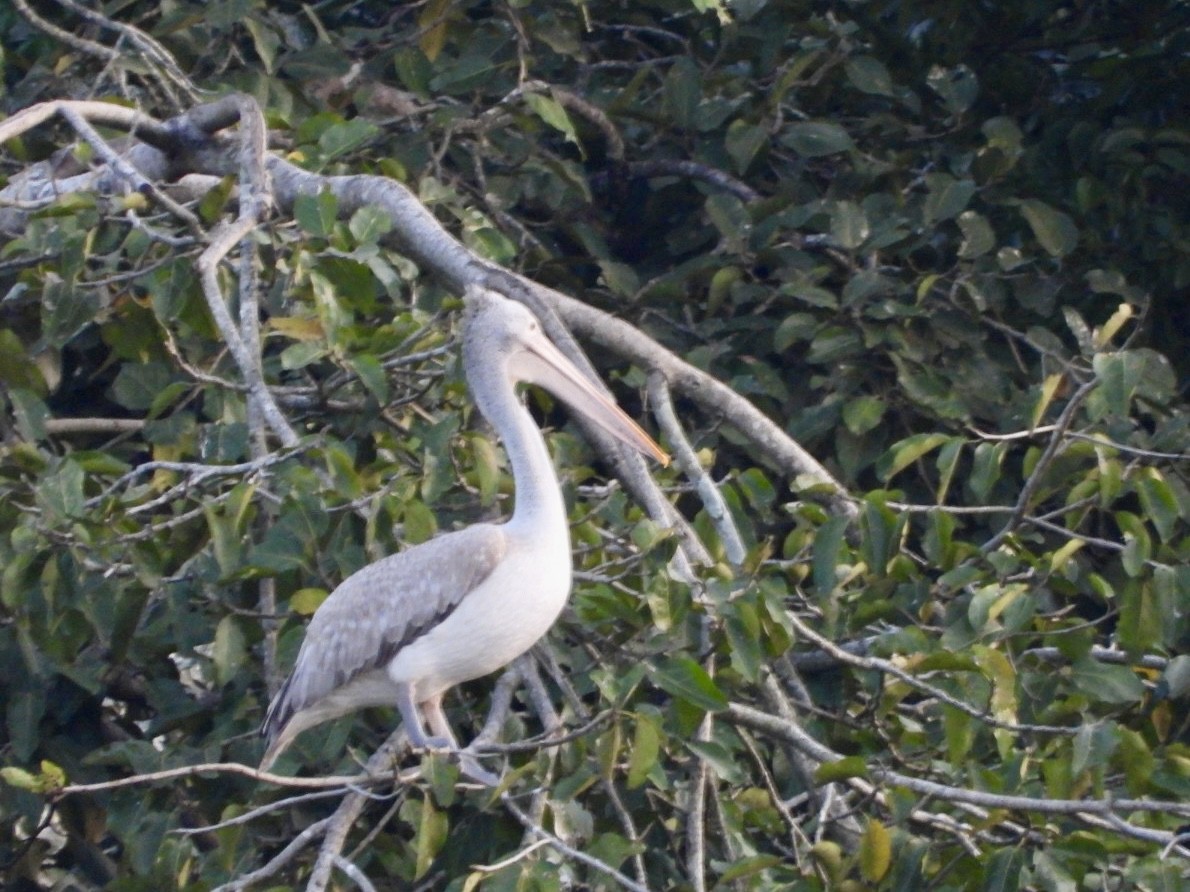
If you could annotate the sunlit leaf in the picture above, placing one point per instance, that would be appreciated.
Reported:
(875, 851)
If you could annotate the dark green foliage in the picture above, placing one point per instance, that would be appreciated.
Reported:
(922, 236)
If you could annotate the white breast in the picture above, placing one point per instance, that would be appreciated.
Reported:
(496, 623)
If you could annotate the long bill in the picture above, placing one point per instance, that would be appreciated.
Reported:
(548, 367)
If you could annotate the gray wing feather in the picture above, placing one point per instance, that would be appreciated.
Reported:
(381, 608)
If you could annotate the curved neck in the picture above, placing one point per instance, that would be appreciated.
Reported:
(539, 511)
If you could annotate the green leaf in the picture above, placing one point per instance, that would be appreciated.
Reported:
(30, 412)
(316, 214)
(1050, 875)
(841, 769)
(746, 867)
(62, 491)
(1142, 623)
(947, 462)
(870, 75)
(906, 452)
(230, 650)
(719, 758)
(985, 470)
(827, 543)
(341, 138)
(138, 384)
(1105, 683)
(1003, 871)
(745, 635)
(720, 288)
(371, 374)
(420, 523)
(978, 236)
(880, 529)
(306, 600)
(431, 834)
(369, 224)
(743, 141)
(862, 414)
(551, 111)
(487, 468)
(646, 747)
(1093, 745)
(265, 40)
(849, 225)
(1119, 374)
(1138, 545)
(684, 678)
(1160, 504)
(947, 197)
(875, 851)
(17, 369)
(683, 92)
(1054, 230)
(21, 779)
(811, 294)
(957, 86)
(756, 487)
(814, 139)
(1137, 761)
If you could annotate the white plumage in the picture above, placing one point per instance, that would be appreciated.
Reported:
(404, 630)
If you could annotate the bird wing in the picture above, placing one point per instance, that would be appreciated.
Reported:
(380, 609)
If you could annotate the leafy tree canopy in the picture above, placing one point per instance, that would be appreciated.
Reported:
(900, 284)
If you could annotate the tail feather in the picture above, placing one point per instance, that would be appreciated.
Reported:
(275, 725)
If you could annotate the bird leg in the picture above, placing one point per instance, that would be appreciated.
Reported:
(432, 709)
(412, 719)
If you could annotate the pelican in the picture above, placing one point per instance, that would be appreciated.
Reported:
(404, 630)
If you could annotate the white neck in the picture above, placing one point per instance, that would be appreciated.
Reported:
(539, 512)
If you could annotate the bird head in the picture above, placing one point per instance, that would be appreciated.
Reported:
(505, 332)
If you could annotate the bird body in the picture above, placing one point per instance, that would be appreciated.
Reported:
(407, 628)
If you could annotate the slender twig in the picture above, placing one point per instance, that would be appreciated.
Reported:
(281, 780)
(569, 851)
(1065, 419)
(524, 853)
(792, 732)
(223, 239)
(356, 875)
(348, 811)
(688, 464)
(135, 179)
(296, 846)
(889, 668)
(261, 811)
(696, 816)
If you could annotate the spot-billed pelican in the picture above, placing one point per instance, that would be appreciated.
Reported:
(404, 630)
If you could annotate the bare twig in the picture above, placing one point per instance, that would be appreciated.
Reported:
(696, 814)
(889, 668)
(567, 850)
(688, 463)
(793, 733)
(345, 815)
(301, 783)
(1057, 438)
